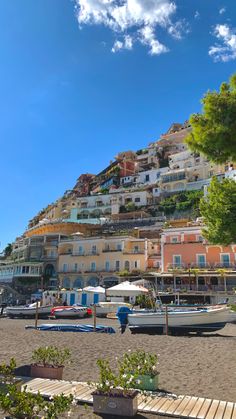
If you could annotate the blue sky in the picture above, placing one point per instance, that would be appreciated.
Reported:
(80, 84)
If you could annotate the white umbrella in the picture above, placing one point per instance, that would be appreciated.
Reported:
(126, 289)
(95, 290)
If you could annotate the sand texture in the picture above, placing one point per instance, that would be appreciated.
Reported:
(202, 366)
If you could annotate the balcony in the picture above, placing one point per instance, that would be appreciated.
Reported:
(180, 266)
(111, 250)
(200, 265)
(226, 265)
(134, 252)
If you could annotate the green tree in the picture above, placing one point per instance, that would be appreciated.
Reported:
(214, 130)
(8, 250)
(218, 209)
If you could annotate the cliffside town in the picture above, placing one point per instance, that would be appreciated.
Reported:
(137, 218)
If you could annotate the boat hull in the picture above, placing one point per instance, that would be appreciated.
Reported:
(181, 321)
(28, 312)
(70, 313)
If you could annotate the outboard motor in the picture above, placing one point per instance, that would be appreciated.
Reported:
(122, 314)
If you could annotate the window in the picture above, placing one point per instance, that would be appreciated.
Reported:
(147, 178)
(64, 267)
(119, 246)
(94, 249)
(117, 265)
(136, 249)
(201, 261)
(199, 239)
(126, 266)
(177, 260)
(137, 200)
(81, 250)
(107, 266)
(225, 260)
(93, 266)
(174, 239)
(136, 264)
(76, 267)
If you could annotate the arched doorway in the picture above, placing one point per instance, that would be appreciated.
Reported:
(66, 283)
(93, 281)
(110, 281)
(49, 271)
(78, 283)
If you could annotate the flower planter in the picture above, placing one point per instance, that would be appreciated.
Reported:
(116, 404)
(51, 372)
(148, 382)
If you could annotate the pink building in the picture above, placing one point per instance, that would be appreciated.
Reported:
(190, 263)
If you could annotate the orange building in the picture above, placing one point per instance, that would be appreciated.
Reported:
(190, 263)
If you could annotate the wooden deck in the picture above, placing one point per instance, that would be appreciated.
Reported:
(175, 406)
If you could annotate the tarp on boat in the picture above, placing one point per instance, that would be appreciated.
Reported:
(72, 328)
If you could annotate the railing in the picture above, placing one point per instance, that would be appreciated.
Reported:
(79, 253)
(111, 250)
(204, 265)
(225, 265)
(134, 252)
(176, 266)
(193, 288)
(200, 265)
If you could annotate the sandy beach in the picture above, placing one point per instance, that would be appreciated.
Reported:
(189, 365)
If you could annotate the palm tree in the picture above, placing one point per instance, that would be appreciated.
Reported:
(222, 273)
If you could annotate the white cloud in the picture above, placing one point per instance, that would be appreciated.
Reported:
(222, 10)
(147, 37)
(127, 43)
(197, 15)
(226, 50)
(133, 17)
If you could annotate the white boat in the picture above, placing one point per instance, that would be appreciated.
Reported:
(71, 312)
(103, 308)
(28, 311)
(192, 320)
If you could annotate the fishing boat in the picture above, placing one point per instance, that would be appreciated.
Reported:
(29, 311)
(75, 311)
(198, 320)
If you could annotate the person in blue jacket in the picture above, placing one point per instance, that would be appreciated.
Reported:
(122, 314)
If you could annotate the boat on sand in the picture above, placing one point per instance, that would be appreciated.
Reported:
(74, 311)
(198, 320)
(28, 311)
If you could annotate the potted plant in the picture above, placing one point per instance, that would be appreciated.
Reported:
(19, 404)
(143, 365)
(49, 361)
(115, 394)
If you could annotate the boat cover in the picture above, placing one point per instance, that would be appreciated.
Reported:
(73, 328)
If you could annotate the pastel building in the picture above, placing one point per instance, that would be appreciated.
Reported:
(98, 260)
(189, 262)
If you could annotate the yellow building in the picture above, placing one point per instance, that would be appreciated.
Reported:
(97, 260)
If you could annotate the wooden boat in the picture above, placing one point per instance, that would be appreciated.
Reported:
(28, 311)
(75, 311)
(103, 308)
(193, 320)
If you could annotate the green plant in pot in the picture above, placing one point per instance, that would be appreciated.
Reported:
(143, 365)
(115, 394)
(49, 362)
(18, 403)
